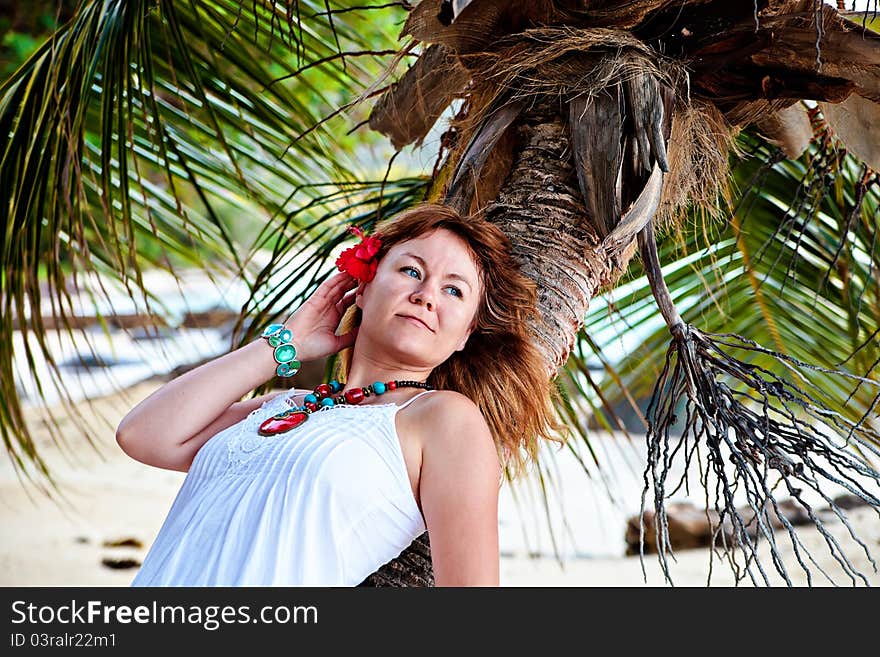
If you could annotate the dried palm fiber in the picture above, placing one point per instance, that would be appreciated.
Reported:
(856, 122)
(417, 100)
(552, 59)
(569, 63)
(622, 15)
(699, 173)
(788, 128)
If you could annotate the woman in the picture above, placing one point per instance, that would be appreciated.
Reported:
(323, 487)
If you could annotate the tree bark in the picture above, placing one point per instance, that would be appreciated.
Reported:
(411, 568)
(540, 209)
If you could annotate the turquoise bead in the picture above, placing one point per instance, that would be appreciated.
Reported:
(272, 329)
(285, 353)
(288, 369)
(335, 386)
(286, 335)
(310, 398)
(379, 388)
(327, 402)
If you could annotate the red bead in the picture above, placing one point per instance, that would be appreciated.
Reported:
(391, 385)
(311, 406)
(354, 396)
(323, 390)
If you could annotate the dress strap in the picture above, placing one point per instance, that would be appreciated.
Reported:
(412, 399)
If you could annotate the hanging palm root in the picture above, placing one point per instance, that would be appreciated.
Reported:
(775, 433)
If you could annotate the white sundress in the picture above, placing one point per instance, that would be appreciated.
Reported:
(325, 504)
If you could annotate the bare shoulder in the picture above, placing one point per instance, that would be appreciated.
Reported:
(445, 410)
(453, 428)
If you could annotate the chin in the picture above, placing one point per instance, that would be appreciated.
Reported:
(418, 357)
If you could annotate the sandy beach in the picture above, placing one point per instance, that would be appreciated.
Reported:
(110, 508)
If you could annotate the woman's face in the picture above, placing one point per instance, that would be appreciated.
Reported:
(422, 304)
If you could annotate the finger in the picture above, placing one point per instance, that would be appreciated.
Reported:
(331, 286)
(339, 280)
(346, 295)
(348, 299)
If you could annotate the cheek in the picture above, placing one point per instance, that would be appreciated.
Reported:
(466, 317)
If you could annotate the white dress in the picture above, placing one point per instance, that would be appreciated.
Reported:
(325, 504)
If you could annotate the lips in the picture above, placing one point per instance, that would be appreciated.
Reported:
(416, 319)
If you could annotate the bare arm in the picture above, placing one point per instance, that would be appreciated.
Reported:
(459, 494)
(167, 428)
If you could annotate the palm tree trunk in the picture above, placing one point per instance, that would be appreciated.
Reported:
(539, 208)
(411, 568)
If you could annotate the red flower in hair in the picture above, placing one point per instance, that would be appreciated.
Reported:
(360, 260)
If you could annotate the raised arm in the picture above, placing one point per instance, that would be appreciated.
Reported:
(458, 489)
(169, 427)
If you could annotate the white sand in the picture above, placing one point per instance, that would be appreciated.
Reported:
(108, 496)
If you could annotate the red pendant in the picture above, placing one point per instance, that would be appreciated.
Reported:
(276, 425)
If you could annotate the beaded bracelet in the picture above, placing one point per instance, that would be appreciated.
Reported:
(280, 338)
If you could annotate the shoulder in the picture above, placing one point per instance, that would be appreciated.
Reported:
(446, 410)
(453, 429)
(449, 399)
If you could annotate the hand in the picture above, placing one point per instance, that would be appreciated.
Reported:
(314, 323)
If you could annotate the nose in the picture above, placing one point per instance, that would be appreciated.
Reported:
(423, 295)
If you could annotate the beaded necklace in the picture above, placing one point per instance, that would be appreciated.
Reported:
(323, 397)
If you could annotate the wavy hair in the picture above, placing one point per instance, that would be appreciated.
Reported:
(500, 369)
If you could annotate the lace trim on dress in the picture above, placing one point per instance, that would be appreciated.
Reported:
(244, 443)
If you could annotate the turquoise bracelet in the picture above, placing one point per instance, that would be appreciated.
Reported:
(280, 338)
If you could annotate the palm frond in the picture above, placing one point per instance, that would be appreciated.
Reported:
(165, 134)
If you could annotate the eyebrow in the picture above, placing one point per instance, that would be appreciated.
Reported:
(424, 264)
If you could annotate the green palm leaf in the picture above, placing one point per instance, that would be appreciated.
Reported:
(167, 134)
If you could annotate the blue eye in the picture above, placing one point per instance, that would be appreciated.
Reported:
(412, 272)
